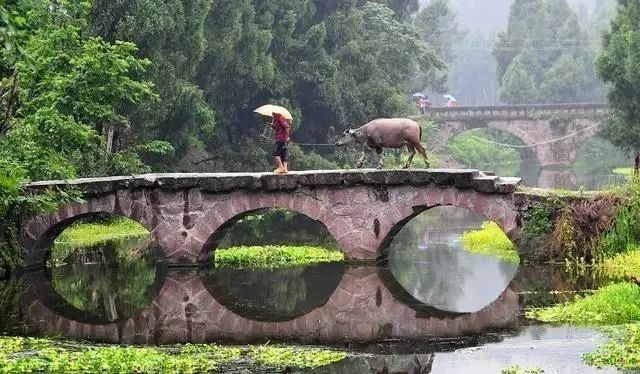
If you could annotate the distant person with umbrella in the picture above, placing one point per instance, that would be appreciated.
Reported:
(451, 101)
(422, 102)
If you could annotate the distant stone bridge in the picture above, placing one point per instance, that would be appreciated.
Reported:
(554, 132)
(188, 214)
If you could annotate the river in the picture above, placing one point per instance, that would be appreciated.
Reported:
(427, 306)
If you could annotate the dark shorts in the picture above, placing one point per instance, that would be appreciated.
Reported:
(280, 149)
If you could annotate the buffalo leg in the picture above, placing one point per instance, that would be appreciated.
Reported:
(423, 153)
(362, 158)
(412, 152)
(380, 160)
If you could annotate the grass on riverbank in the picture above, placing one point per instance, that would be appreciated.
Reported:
(490, 240)
(614, 304)
(84, 234)
(624, 266)
(272, 256)
(20, 355)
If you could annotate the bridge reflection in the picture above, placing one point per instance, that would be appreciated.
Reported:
(187, 309)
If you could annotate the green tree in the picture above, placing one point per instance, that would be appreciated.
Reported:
(619, 65)
(518, 85)
(171, 35)
(546, 40)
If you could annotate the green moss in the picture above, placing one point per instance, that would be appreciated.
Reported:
(274, 256)
(286, 357)
(20, 355)
(611, 305)
(85, 234)
(623, 351)
(490, 241)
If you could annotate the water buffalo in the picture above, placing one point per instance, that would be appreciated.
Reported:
(387, 133)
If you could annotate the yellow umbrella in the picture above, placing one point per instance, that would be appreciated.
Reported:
(268, 110)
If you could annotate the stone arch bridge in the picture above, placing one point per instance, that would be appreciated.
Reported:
(554, 132)
(187, 214)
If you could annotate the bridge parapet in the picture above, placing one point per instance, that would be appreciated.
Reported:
(514, 112)
(229, 182)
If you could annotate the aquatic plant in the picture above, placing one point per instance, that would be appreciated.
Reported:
(274, 256)
(611, 305)
(622, 351)
(287, 357)
(85, 234)
(490, 240)
(22, 355)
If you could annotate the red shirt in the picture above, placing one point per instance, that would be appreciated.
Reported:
(281, 129)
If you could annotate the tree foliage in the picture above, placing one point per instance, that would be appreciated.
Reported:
(545, 56)
(619, 65)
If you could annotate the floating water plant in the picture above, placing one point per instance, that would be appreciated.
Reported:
(28, 355)
(623, 351)
(287, 357)
(274, 256)
(490, 240)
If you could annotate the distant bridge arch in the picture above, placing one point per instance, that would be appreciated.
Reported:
(554, 132)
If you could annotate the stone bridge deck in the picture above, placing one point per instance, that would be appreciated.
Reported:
(187, 214)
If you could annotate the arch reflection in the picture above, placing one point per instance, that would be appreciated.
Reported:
(360, 309)
(273, 294)
(428, 267)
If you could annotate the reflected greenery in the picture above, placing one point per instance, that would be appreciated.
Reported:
(427, 260)
(278, 227)
(274, 294)
(10, 292)
(110, 281)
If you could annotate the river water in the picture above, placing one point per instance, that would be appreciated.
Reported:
(430, 306)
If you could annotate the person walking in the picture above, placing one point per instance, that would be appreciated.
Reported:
(281, 130)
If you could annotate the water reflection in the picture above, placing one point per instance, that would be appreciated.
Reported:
(553, 349)
(274, 294)
(110, 281)
(360, 309)
(426, 259)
